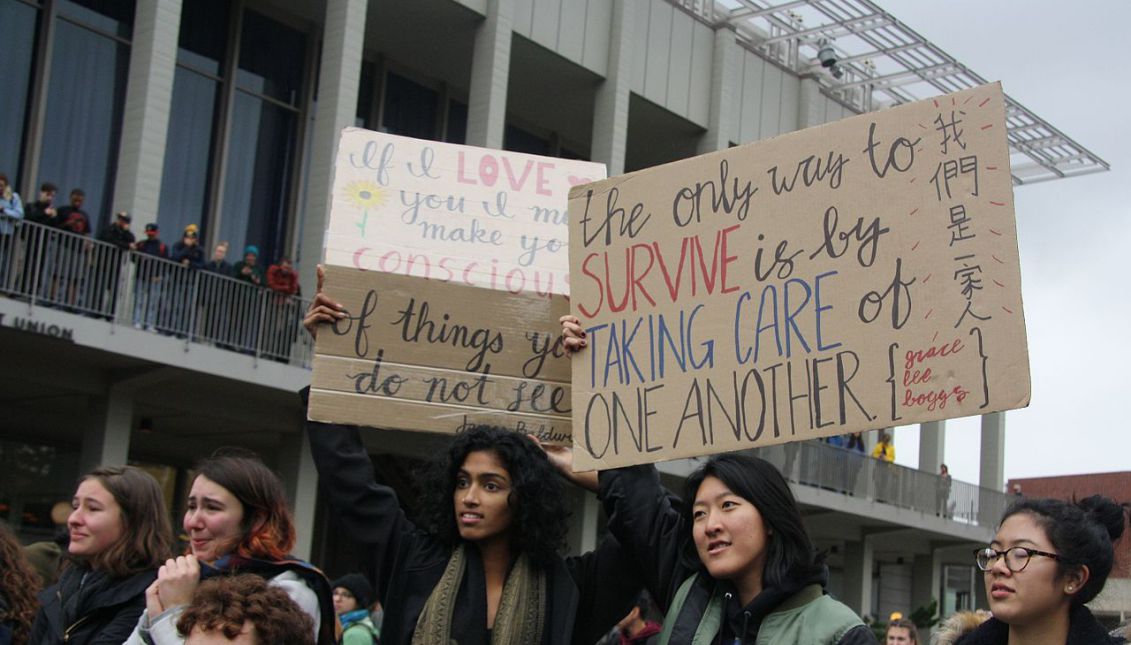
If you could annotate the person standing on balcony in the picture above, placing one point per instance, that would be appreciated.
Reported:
(39, 248)
(942, 495)
(72, 258)
(216, 297)
(284, 316)
(42, 210)
(884, 454)
(856, 457)
(150, 272)
(11, 212)
(119, 235)
(248, 269)
(179, 299)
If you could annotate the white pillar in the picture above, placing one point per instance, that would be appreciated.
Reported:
(991, 472)
(810, 104)
(106, 441)
(300, 476)
(858, 560)
(490, 71)
(338, 79)
(926, 579)
(932, 446)
(149, 100)
(610, 111)
(720, 121)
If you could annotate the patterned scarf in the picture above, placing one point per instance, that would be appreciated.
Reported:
(520, 617)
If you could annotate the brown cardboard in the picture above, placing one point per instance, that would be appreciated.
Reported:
(876, 255)
(494, 357)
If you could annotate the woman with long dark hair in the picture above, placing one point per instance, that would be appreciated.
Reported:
(237, 521)
(1048, 558)
(18, 585)
(483, 567)
(733, 562)
(120, 534)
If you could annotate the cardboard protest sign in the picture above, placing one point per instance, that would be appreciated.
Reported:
(452, 213)
(423, 355)
(852, 276)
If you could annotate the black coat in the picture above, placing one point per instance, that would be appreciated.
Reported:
(586, 595)
(90, 607)
(1083, 629)
(646, 519)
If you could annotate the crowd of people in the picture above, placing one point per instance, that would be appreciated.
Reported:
(727, 561)
(74, 273)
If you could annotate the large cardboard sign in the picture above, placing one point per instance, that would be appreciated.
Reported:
(852, 276)
(452, 213)
(424, 355)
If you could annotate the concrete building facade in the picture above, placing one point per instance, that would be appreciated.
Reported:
(225, 114)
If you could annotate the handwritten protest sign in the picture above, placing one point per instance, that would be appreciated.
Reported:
(852, 276)
(422, 355)
(452, 213)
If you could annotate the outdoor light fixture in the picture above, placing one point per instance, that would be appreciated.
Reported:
(826, 55)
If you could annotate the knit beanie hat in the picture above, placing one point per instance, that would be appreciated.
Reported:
(252, 249)
(356, 584)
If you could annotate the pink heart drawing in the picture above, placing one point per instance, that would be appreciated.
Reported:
(576, 181)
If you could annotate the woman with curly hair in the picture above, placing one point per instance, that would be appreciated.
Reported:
(1048, 558)
(120, 534)
(237, 521)
(733, 562)
(244, 609)
(18, 585)
(483, 568)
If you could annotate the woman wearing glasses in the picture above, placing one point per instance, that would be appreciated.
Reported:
(1048, 558)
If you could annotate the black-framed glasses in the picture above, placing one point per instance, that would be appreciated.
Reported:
(1016, 558)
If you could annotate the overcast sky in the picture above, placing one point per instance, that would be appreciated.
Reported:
(1068, 63)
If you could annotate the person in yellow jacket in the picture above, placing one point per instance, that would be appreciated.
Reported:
(885, 449)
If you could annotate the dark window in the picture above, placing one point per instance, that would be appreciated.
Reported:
(17, 48)
(261, 155)
(204, 35)
(457, 122)
(366, 90)
(272, 59)
(82, 128)
(410, 108)
(519, 140)
(188, 151)
(110, 16)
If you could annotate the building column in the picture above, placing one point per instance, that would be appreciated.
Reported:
(991, 471)
(932, 446)
(858, 563)
(339, 77)
(811, 104)
(610, 110)
(149, 100)
(490, 72)
(926, 579)
(106, 441)
(720, 121)
(299, 475)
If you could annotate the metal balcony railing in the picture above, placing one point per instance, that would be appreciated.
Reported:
(49, 267)
(818, 464)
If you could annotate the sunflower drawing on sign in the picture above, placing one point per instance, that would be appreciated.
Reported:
(365, 195)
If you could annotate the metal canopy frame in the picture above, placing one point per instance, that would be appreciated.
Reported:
(882, 62)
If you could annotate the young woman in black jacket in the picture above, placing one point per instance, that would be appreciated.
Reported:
(731, 563)
(484, 569)
(120, 534)
(1048, 558)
